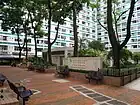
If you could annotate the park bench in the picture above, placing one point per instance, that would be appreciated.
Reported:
(2, 79)
(94, 75)
(63, 71)
(13, 64)
(21, 92)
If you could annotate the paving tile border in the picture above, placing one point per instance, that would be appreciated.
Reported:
(35, 91)
(100, 98)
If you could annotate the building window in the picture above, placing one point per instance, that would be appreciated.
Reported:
(123, 1)
(99, 33)
(63, 30)
(99, 38)
(4, 37)
(83, 22)
(57, 43)
(134, 46)
(83, 28)
(93, 30)
(88, 29)
(70, 31)
(20, 40)
(88, 18)
(71, 38)
(16, 48)
(134, 21)
(63, 37)
(87, 35)
(58, 36)
(37, 41)
(63, 44)
(29, 49)
(123, 29)
(46, 42)
(83, 16)
(29, 40)
(138, 14)
(93, 36)
(123, 18)
(39, 49)
(138, 8)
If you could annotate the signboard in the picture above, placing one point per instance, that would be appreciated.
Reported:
(84, 63)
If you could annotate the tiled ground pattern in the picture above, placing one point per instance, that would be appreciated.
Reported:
(54, 93)
(98, 97)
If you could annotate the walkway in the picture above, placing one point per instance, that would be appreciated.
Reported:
(56, 91)
(135, 85)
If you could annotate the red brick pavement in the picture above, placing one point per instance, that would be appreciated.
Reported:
(53, 93)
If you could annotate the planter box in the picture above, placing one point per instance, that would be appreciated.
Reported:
(114, 81)
(119, 81)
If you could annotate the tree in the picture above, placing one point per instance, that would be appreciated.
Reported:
(82, 43)
(112, 33)
(12, 19)
(97, 45)
(116, 46)
(136, 57)
(124, 55)
(37, 12)
(76, 8)
(58, 10)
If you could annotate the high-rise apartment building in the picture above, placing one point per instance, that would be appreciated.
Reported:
(134, 42)
(86, 29)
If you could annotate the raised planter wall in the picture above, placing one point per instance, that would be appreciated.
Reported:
(119, 81)
(108, 80)
(114, 81)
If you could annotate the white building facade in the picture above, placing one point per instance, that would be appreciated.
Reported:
(86, 29)
(134, 42)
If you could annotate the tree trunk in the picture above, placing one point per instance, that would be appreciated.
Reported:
(75, 32)
(26, 55)
(116, 56)
(20, 50)
(26, 41)
(49, 33)
(137, 61)
(35, 44)
(57, 29)
(113, 40)
(18, 38)
(132, 5)
(34, 34)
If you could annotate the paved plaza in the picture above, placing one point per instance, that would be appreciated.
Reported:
(51, 90)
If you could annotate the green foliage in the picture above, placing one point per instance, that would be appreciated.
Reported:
(82, 43)
(124, 57)
(44, 55)
(97, 45)
(14, 18)
(125, 54)
(90, 53)
(79, 71)
(136, 57)
(5, 62)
